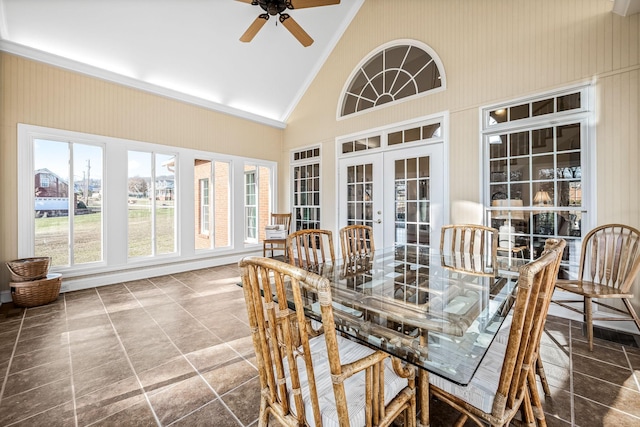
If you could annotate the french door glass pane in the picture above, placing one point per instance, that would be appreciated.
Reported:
(360, 194)
(412, 181)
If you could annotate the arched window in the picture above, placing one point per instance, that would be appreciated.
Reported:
(395, 71)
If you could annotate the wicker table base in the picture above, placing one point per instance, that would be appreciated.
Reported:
(36, 292)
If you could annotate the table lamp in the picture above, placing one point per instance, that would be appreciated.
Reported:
(506, 237)
(542, 198)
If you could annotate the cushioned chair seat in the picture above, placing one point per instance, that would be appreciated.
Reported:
(354, 386)
(481, 390)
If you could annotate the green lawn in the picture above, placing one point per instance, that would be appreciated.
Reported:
(52, 235)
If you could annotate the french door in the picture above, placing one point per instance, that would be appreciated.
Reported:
(399, 192)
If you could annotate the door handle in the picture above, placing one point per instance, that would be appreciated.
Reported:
(379, 221)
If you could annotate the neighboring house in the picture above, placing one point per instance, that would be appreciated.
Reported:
(52, 195)
(48, 184)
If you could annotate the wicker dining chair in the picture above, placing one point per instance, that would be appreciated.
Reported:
(505, 383)
(356, 241)
(469, 248)
(277, 244)
(310, 248)
(317, 380)
(609, 264)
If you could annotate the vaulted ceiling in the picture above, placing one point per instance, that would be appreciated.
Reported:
(184, 49)
(187, 49)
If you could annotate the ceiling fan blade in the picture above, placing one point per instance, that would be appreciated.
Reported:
(295, 29)
(246, 1)
(301, 4)
(254, 28)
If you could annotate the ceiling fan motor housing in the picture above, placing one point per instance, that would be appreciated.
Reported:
(273, 7)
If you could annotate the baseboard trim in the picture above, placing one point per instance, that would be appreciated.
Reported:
(136, 273)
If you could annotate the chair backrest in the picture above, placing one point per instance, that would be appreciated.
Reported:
(611, 256)
(469, 248)
(283, 341)
(311, 247)
(536, 283)
(281, 338)
(282, 219)
(356, 241)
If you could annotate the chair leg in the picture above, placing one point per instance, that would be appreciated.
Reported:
(588, 318)
(543, 376)
(536, 403)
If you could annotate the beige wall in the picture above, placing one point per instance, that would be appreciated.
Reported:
(38, 94)
(492, 51)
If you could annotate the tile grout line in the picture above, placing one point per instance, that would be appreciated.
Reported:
(218, 397)
(126, 355)
(633, 372)
(13, 352)
(73, 387)
(573, 403)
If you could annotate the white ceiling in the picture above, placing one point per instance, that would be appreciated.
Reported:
(184, 49)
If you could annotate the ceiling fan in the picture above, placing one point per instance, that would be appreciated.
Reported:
(277, 7)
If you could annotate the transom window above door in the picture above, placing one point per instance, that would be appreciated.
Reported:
(395, 71)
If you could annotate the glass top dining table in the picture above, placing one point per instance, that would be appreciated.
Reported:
(411, 303)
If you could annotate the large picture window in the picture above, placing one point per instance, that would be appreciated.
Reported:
(537, 173)
(257, 201)
(151, 204)
(79, 205)
(67, 203)
(212, 204)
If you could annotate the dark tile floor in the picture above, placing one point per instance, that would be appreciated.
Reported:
(175, 350)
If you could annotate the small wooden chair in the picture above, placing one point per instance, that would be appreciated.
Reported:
(310, 248)
(609, 264)
(469, 248)
(356, 241)
(308, 379)
(277, 244)
(504, 383)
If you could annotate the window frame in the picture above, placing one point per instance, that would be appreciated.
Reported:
(205, 205)
(379, 51)
(585, 118)
(297, 161)
(115, 259)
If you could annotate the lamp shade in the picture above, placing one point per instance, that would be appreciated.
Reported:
(542, 198)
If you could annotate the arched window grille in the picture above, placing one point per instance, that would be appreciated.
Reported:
(390, 74)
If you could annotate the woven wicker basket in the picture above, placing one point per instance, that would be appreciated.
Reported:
(36, 292)
(29, 269)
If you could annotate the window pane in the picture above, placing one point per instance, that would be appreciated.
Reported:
(543, 107)
(202, 178)
(569, 102)
(51, 163)
(87, 223)
(569, 137)
(395, 138)
(497, 146)
(250, 206)
(519, 112)
(165, 231)
(542, 141)
(139, 212)
(221, 204)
